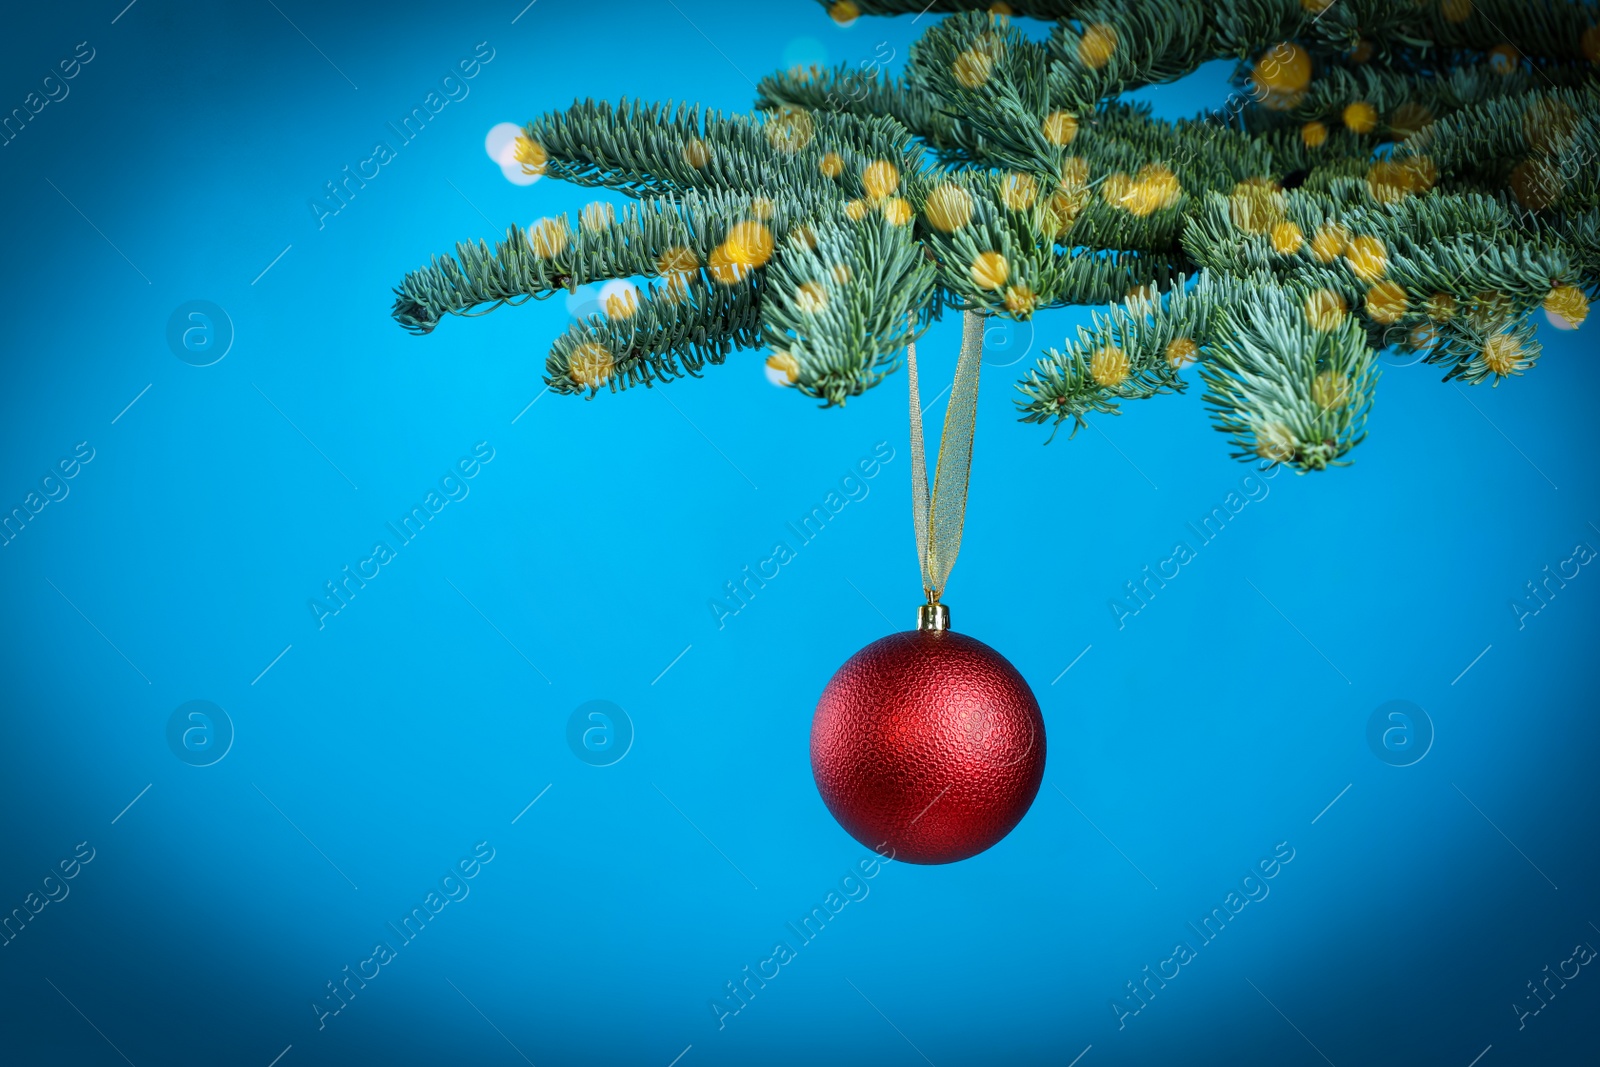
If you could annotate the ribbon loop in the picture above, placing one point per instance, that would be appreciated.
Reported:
(938, 516)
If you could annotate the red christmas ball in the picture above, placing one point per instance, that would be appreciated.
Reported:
(930, 743)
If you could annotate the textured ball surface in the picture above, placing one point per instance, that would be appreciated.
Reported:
(928, 742)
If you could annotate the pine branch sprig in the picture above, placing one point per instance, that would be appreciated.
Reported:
(1288, 387)
(1421, 175)
(844, 302)
(672, 331)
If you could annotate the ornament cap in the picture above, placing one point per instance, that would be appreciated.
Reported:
(933, 617)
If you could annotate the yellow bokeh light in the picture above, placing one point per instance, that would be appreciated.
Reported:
(1109, 366)
(1387, 303)
(1287, 238)
(1019, 191)
(1325, 310)
(590, 365)
(532, 155)
(1097, 45)
(1284, 68)
(880, 179)
(989, 270)
(811, 297)
(1502, 354)
(1330, 390)
(1181, 352)
(1329, 242)
(1060, 127)
(1360, 117)
(550, 237)
(972, 68)
(1021, 300)
(696, 154)
(748, 244)
(948, 207)
(1367, 258)
(1568, 302)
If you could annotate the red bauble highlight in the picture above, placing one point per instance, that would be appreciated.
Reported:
(930, 743)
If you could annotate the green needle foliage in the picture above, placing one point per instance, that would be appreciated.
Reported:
(1419, 175)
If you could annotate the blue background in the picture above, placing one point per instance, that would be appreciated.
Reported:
(374, 753)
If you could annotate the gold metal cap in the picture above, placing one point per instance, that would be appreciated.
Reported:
(933, 617)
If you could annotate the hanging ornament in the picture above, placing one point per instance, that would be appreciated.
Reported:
(929, 742)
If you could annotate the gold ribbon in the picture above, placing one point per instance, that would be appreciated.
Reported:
(938, 518)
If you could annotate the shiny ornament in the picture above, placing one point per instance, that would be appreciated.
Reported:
(930, 743)
(928, 746)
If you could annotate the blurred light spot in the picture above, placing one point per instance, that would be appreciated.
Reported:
(515, 175)
(803, 52)
(501, 144)
(1557, 321)
(584, 300)
(620, 289)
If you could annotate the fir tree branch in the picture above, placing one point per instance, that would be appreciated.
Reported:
(674, 330)
(1403, 102)
(843, 308)
(1414, 174)
(862, 94)
(1038, 9)
(1119, 47)
(556, 255)
(1288, 388)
